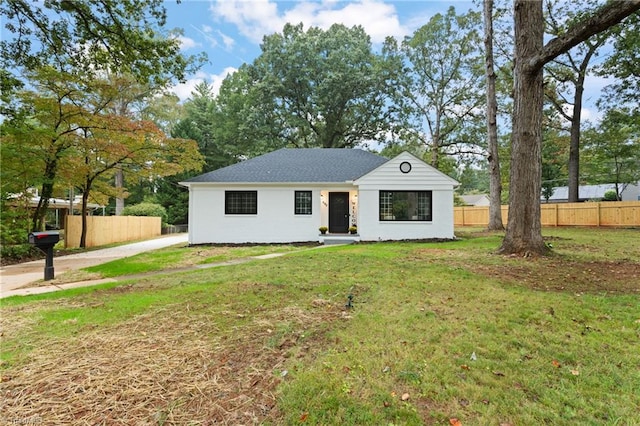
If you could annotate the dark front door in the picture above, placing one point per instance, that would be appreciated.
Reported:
(338, 212)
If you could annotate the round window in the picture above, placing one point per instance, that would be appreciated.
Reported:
(405, 167)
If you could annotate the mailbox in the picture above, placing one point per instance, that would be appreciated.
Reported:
(45, 242)
(44, 239)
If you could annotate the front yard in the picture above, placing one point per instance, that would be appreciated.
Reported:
(436, 332)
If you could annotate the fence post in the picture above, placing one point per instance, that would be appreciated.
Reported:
(598, 215)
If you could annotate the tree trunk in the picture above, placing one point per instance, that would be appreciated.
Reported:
(45, 193)
(495, 181)
(524, 229)
(119, 182)
(83, 234)
(574, 144)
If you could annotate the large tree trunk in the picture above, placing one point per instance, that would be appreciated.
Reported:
(495, 181)
(524, 229)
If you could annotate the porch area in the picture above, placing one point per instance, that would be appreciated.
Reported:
(329, 239)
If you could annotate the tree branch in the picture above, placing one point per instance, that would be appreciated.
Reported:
(608, 15)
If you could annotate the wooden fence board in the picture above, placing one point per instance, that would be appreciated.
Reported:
(609, 213)
(102, 230)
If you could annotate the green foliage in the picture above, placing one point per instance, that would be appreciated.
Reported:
(611, 195)
(14, 229)
(313, 88)
(612, 149)
(623, 64)
(146, 209)
(555, 148)
(201, 123)
(441, 88)
(174, 198)
(92, 37)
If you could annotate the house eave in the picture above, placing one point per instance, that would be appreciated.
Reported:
(278, 184)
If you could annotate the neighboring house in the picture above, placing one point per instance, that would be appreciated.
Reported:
(58, 208)
(628, 192)
(286, 195)
(475, 200)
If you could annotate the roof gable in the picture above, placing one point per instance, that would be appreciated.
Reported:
(419, 172)
(337, 165)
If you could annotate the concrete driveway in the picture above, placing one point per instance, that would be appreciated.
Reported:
(14, 277)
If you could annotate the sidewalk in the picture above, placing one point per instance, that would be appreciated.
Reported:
(14, 277)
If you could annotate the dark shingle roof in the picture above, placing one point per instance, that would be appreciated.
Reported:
(298, 165)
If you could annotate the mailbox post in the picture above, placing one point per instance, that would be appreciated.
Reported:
(45, 242)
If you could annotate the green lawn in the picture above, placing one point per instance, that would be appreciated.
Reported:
(437, 331)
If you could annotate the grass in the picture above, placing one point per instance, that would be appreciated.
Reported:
(182, 256)
(554, 340)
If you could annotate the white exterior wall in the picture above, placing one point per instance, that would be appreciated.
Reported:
(274, 223)
(421, 178)
(277, 223)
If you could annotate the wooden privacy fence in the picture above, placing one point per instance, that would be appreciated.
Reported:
(609, 213)
(103, 230)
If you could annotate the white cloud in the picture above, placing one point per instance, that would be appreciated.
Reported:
(226, 40)
(590, 114)
(184, 90)
(187, 43)
(257, 18)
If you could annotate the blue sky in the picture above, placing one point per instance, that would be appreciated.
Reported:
(230, 31)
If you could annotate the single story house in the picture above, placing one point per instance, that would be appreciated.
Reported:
(628, 192)
(287, 195)
(476, 200)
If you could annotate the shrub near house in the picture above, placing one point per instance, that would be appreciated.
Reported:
(146, 209)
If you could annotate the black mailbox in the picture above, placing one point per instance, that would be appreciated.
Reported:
(44, 239)
(45, 242)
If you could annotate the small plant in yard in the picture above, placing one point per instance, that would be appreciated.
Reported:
(437, 333)
(353, 229)
(323, 229)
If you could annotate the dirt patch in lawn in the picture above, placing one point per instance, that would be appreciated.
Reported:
(172, 366)
(555, 274)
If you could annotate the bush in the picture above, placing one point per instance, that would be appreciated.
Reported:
(18, 252)
(146, 209)
(611, 195)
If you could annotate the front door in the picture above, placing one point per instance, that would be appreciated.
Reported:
(338, 212)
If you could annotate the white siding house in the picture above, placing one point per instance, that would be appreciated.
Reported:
(286, 195)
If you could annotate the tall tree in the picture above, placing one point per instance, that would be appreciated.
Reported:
(565, 87)
(54, 115)
(321, 88)
(441, 93)
(202, 124)
(120, 143)
(524, 229)
(613, 149)
(493, 157)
